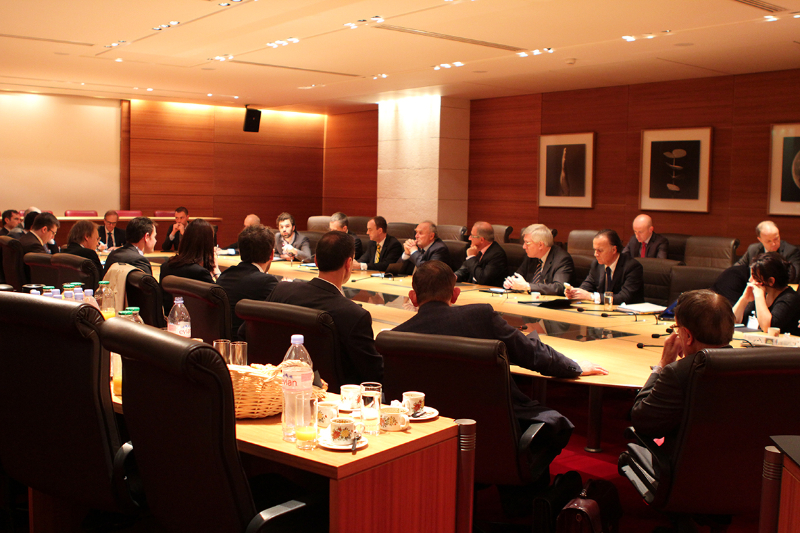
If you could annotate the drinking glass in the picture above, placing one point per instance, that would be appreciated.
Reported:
(223, 346)
(239, 353)
(305, 421)
(608, 301)
(371, 407)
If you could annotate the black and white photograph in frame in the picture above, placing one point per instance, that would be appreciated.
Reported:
(566, 170)
(784, 170)
(675, 169)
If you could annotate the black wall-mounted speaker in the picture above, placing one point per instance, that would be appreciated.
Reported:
(252, 119)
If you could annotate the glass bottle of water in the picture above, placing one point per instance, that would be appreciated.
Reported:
(135, 315)
(179, 321)
(105, 299)
(297, 385)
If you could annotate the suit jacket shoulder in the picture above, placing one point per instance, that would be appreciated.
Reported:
(77, 249)
(30, 244)
(128, 254)
(492, 268)
(392, 251)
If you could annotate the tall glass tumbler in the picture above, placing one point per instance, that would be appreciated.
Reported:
(371, 407)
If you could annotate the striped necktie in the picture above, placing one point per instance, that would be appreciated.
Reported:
(378, 254)
(537, 276)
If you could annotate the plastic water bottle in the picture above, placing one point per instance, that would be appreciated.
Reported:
(105, 300)
(179, 321)
(88, 297)
(135, 315)
(297, 384)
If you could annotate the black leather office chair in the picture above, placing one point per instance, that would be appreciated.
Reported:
(13, 264)
(515, 254)
(143, 291)
(313, 239)
(73, 268)
(579, 246)
(207, 304)
(502, 234)
(41, 269)
(318, 223)
(479, 389)
(458, 253)
(657, 279)
(401, 230)
(451, 232)
(358, 224)
(59, 434)
(706, 251)
(179, 410)
(689, 278)
(269, 328)
(735, 399)
(677, 245)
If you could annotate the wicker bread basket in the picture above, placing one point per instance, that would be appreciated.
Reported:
(257, 389)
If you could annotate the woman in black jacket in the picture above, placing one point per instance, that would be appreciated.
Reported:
(195, 258)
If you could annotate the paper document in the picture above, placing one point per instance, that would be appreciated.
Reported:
(642, 308)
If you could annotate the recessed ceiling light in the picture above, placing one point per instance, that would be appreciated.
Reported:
(174, 23)
(209, 94)
(666, 31)
(135, 88)
(377, 19)
(235, 97)
(157, 28)
(149, 88)
(649, 36)
(293, 40)
(225, 4)
(522, 54)
(118, 60)
(165, 25)
(437, 67)
(549, 50)
(458, 64)
(114, 44)
(447, 65)
(629, 38)
(770, 18)
(536, 52)
(108, 46)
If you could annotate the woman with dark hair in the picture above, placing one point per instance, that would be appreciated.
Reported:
(768, 296)
(195, 258)
(82, 241)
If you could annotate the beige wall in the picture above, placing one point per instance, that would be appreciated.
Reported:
(59, 152)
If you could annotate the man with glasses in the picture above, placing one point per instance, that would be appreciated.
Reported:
(486, 262)
(43, 230)
(111, 237)
(769, 240)
(546, 269)
(703, 319)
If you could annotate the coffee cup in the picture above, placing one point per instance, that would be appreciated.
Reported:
(326, 411)
(773, 332)
(342, 429)
(351, 395)
(394, 418)
(414, 401)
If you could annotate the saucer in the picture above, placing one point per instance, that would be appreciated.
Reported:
(325, 442)
(429, 414)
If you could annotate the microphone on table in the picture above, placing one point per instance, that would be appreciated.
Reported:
(642, 345)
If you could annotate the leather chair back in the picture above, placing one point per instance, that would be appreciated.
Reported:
(735, 400)
(207, 304)
(42, 270)
(502, 233)
(79, 213)
(689, 278)
(179, 411)
(450, 232)
(481, 391)
(364, 242)
(13, 264)
(270, 327)
(59, 434)
(579, 242)
(132, 213)
(358, 225)
(401, 230)
(143, 291)
(515, 254)
(657, 279)
(319, 223)
(580, 268)
(677, 245)
(75, 268)
(313, 239)
(717, 252)
(458, 253)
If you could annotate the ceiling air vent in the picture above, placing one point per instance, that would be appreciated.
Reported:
(764, 6)
(446, 37)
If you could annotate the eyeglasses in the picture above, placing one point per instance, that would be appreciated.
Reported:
(110, 223)
(474, 236)
(528, 243)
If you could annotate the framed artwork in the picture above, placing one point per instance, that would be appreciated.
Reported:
(784, 170)
(675, 169)
(566, 170)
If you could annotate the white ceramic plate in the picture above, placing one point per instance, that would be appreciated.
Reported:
(430, 413)
(325, 442)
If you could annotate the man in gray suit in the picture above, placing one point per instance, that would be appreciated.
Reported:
(546, 269)
(769, 240)
(426, 246)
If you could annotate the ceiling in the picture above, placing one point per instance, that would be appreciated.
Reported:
(109, 49)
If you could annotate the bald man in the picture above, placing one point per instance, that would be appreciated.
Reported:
(249, 220)
(645, 242)
(486, 262)
(769, 240)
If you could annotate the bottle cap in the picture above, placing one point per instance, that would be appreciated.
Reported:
(124, 313)
(298, 339)
(133, 309)
(69, 295)
(179, 299)
(88, 292)
(56, 292)
(35, 292)
(104, 283)
(79, 296)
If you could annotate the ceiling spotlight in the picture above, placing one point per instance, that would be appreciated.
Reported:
(437, 67)
(293, 40)
(118, 60)
(649, 36)
(770, 18)
(135, 88)
(209, 94)
(149, 88)
(272, 45)
(376, 19)
(629, 38)
(384, 76)
(522, 54)
(458, 64)
(107, 46)
(114, 44)
(351, 25)
(122, 41)
(536, 52)
(235, 97)
(174, 23)
(447, 65)
(157, 28)
(282, 43)
(549, 50)
(666, 31)
(225, 4)
(165, 25)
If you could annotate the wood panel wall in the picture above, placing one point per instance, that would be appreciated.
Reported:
(199, 157)
(504, 143)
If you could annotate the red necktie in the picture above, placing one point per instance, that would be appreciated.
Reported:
(644, 249)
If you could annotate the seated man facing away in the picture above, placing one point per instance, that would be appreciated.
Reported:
(289, 243)
(383, 249)
(703, 319)
(611, 271)
(646, 243)
(43, 230)
(249, 279)
(426, 246)
(486, 262)
(769, 240)
(173, 240)
(82, 241)
(434, 292)
(546, 269)
(140, 237)
(360, 361)
(340, 222)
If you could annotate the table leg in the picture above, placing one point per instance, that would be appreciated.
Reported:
(595, 427)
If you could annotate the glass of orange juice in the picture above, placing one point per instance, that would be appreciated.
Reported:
(305, 426)
(116, 374)
(108, 313)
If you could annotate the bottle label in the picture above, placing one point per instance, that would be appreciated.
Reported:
(184, 329)
(297, 378)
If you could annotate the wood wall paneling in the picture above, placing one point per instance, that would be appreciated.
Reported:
(198, 205)
(767, 98)
(352, 129)
(264, 169)
(598, 110)
(125, 155)
(233, 208)
(171, 167)
(509, 117)
(276, 128)
(171, 121)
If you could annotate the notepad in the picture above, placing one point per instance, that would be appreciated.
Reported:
(643, 308)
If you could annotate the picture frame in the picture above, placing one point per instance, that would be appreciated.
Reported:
(784, 170)
(566, 170)
(675, 169)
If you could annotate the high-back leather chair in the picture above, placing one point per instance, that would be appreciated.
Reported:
(657, 277)
(458, 253)
(704, 251)
(515, 255)
(42, 270)
(319, 223)
(450, 232)
(207, 304)
(313, 239)
(734, 401)
(482, 392)
(690, 278)
(130, 213)
(677, 245)
(179, 411)
(270, 327)
(59, 434)
(13, 264)
(73, 268)
(502, 233)
(143, 291)
(358, 224)
(401, 230)
(79, 213)
(579, 246)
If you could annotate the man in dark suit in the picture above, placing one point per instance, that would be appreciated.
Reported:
(434, 292)
(704, 319)
(383, 249)
(769, 240)
(111, 236)
(646, 243)
(83, 241)
(546, 269)
(340, 222)
(426, 246)
(11, 219)
(625, 273)
(249, 220)
(360, 361)
(140, 235)
(173, 240)
(249, 279)
(486, 262)
(290, 244)
(43, 229)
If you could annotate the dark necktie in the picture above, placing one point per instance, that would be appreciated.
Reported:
(109, 239)
(537, 276)
(644, 249)
(608, 280)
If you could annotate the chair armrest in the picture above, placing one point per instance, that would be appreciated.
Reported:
(526, 439)
(260, 522)
(661, 462)
(126, 480)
